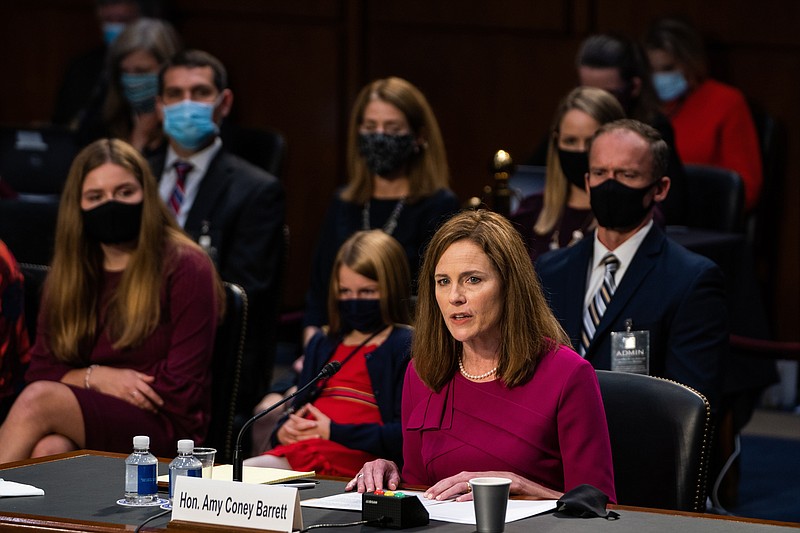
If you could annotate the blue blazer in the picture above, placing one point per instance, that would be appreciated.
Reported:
(676, 295)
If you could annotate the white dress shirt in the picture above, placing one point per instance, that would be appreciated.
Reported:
(624, 253)
(200, 161)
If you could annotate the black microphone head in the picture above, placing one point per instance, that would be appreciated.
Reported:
(330, 369)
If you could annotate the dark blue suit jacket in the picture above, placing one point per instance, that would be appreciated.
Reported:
(676, 295)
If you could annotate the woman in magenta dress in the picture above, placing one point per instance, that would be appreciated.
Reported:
(128, 319)
(493, 388)
(354, 416)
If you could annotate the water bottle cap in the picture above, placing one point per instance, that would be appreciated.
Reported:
(185, 446)
(141, 441)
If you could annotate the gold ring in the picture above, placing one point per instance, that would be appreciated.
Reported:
(469, 487)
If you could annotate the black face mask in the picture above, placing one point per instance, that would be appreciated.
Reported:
(113, 222)
(617, 206)
(361, 315)
(575, 165)
(386, 153)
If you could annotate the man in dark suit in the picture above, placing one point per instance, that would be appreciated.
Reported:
(231, 208)
(629, 276)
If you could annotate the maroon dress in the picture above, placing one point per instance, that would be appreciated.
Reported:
(178, 353)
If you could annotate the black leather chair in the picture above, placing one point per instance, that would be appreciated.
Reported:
(28, 226)
(35, 275)
(227, 413)
(525, 181)
(36, 160)
(263, 147)
(716, 198)
(660, 435)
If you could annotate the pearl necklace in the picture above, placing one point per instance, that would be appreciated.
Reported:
(471, 376)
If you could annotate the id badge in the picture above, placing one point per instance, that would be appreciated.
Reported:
(630, 351)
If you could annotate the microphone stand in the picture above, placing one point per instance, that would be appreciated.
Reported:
(238, 461)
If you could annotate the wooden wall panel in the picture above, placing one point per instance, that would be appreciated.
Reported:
(507, 15)
(36, 41)
(493, 72)
(297, 63)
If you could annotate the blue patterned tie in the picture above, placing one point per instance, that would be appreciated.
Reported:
(599, 303)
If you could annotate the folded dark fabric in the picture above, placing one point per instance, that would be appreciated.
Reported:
(584, 501)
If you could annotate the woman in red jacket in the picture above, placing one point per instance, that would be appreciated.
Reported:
(712, 121)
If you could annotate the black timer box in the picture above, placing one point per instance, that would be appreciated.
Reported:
(393, 509)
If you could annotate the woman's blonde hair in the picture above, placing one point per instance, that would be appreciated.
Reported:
(427, 169)
(74, 283)
(528, 329)
(379, 257)
(601, 106)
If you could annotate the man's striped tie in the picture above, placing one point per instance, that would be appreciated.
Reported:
(182, 169)
(599, 303)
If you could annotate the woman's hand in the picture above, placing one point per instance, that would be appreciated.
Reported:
(458, 487)
(146, 128)
(297, 427)
(373, 475)
(128, 385)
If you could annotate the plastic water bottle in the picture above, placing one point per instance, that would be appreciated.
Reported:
(140, 472)
(185, 464)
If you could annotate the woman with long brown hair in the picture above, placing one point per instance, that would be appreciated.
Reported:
(493, 388)
(397, 182)
(129, 313)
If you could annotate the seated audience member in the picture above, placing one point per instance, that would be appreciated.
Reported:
(618, 65)
(397, 182)
(233, 209)
(354, 416)
(561, 215)
(493, 389)
(629, 275)
(127, 322)
(712, 121)
(14, 342)
(129, 109)
(85, 80)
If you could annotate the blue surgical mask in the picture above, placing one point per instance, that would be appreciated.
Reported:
(140, 90)
(670, 85)
(111, 31)
(190, 124)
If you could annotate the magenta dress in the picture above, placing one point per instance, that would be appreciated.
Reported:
(551, 430)
(178, 353)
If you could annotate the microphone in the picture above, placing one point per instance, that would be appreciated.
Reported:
(238, 461)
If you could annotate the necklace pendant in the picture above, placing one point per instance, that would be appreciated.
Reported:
(391, 222)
